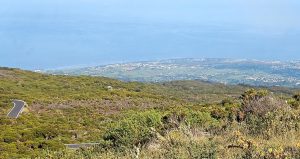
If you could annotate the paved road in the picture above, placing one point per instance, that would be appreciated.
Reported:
(77, 146)
(17, 109)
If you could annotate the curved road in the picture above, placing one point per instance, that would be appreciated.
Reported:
(17, 109)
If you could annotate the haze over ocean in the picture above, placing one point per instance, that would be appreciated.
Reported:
(44, 34)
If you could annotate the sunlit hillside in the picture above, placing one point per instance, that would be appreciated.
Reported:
(180, 119)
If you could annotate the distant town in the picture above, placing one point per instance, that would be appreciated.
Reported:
(226, 71)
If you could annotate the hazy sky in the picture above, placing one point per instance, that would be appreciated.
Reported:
(39, 34)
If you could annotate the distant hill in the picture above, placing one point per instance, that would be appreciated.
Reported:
(227, 71)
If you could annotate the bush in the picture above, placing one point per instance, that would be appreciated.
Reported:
(227, 101)
(264, 105)
(297, 97)
(277, 123)
(201, 119)
(134, 129)
(253, 94)
(295, 104)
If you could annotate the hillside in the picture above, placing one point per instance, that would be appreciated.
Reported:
(126, 117)
(228, 71)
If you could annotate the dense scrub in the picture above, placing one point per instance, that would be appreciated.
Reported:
(194, 132)
(182, 119)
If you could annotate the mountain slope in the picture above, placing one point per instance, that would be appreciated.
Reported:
(79, 109)
(66, 109)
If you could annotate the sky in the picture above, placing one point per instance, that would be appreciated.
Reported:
(49, 34)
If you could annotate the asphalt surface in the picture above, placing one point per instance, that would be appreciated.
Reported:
(77, 146)
(17, 109)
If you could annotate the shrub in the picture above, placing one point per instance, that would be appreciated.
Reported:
(295, 104)
(297, 97)
(253, 94)
(264, 105)
(276, 123)
(134, 129)
(227, 101)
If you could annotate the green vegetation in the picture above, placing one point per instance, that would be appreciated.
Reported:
(181, 119)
